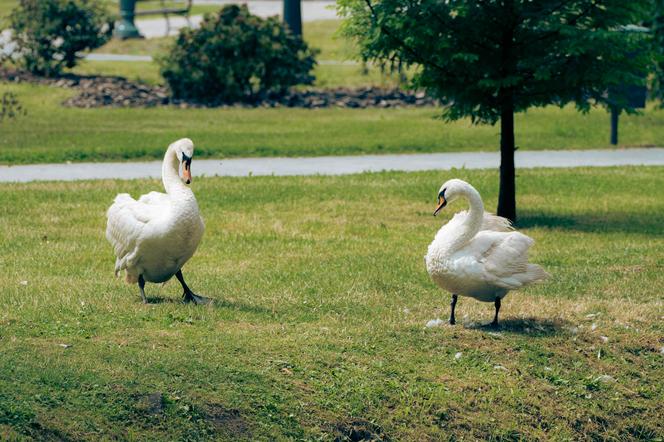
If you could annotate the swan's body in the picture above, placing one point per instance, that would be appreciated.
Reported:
(154, 236)
(477, 254)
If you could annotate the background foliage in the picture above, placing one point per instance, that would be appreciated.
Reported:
(50, 33)
(538, 53)
(236, 56)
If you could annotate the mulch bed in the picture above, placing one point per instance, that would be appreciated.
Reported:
(103, 91)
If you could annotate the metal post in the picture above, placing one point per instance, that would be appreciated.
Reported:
(615, 112)
(293, 16)
(125, 28)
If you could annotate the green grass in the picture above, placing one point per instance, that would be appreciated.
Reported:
(51, 133)
(322, 301)
(320, 34)
(327, 75)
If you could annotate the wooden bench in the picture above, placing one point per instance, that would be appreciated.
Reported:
(166, 8)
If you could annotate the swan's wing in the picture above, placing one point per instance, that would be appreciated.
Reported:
(504, 256)
(496, 223)
(127, 219)
(154, 199)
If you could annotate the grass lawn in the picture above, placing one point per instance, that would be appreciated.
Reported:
(320, 322)
(51, 133)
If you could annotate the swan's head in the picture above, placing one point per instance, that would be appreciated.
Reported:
(450, 191)
(184, 150)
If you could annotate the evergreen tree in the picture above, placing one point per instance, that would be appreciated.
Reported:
(488, 59)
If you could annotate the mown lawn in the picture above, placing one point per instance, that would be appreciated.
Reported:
(52, 133)
(319, 325)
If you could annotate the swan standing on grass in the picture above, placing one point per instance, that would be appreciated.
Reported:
(156, 235)
(477, 254)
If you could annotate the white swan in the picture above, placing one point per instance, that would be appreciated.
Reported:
(156, 235)
(477, 254)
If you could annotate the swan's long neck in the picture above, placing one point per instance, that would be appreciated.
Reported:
(170, 175)
(450, 243)
(475, 218)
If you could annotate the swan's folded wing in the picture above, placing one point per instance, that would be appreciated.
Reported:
(154, 199)
(506, 261)
(496, 223)
(126, 220)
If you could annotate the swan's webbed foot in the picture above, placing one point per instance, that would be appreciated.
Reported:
(189, 296)
(452, 306)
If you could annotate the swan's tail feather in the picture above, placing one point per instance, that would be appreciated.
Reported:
(535, 273)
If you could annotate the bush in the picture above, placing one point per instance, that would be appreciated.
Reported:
(49, 33)
(236, 56)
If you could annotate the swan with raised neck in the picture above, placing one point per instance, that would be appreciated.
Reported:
(157, 234)
(477, 254)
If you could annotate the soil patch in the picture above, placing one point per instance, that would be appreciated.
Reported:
(227, 421)
(359, 430)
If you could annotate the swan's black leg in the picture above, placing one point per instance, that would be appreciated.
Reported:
(452, 306)
(141, 287)
(188, 295)
(495, 318)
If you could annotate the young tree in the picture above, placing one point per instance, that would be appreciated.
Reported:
(488, 59)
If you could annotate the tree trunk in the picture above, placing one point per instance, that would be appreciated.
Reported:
(507, 193)
(293, 16)
(615, 113)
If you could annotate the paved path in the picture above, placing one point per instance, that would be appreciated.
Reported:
(311, 10)
(335, 165)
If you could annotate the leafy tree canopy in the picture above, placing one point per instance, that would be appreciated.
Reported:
(484, 55)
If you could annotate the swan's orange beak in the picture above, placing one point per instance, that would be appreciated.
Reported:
(442, 202)
(186, 171)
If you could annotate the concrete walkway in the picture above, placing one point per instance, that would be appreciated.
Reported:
(340, 165)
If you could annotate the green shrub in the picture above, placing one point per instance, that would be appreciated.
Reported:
(49, 33)
(236, 56)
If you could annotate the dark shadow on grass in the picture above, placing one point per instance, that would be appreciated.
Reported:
(534, 327)
(600, 222)
(216, 303)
